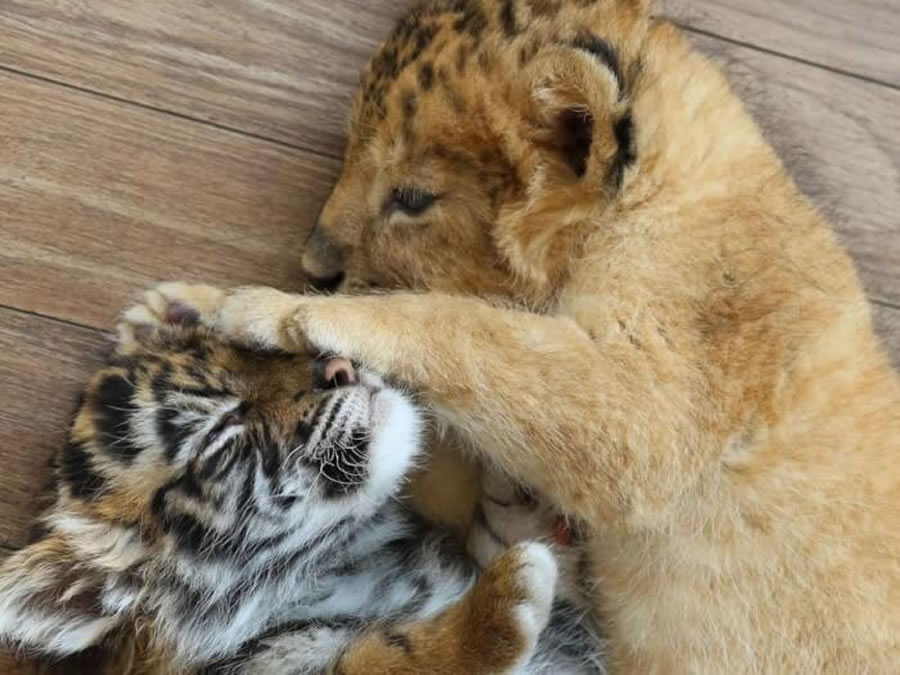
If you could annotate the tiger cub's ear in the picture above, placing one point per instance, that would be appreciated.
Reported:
(168, 307)
(52, 603)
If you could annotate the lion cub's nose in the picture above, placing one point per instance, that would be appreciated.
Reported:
(338, 372)
(326, 284)
(322, 262)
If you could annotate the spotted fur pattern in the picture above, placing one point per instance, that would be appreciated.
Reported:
(242, 511)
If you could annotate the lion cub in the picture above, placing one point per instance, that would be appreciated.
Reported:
(684, 360)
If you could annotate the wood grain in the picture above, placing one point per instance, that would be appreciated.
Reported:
(857, 36)
(295, 64)
(44, 365)
(100, 199)
(840, 138)
(282, 68)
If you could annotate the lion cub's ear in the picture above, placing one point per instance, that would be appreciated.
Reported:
(580, 100)
(578, 148)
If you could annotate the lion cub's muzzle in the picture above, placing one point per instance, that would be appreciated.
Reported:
(323, 262)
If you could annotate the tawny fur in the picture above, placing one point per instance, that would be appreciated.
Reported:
(689, 365)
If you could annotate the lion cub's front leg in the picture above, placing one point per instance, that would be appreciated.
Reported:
(493, 630)
(536, 395)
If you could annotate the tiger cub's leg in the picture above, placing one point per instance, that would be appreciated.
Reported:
(492, 630)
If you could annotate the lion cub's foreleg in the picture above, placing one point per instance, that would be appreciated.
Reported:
(535, 394)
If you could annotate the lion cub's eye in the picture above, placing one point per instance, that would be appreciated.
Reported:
(411, 201)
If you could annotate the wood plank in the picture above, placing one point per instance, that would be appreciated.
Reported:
(840, 138)
(100, 199)
(887, 324)
(856, 36)
(272, 83)
(43, 365)
(283, 68)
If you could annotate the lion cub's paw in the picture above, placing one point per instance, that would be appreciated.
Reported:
(262, 317)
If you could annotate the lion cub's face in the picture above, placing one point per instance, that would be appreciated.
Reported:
(472, 116)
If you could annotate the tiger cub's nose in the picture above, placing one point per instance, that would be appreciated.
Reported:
(336, 372)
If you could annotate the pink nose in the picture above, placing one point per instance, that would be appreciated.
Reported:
(339, 372)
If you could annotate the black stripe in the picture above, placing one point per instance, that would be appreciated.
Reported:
(606, 53)
(246, 494)
(623, 130)
(304, 430)
(335, 410)
(472, 21)
(422, 591)
(426, 76)
(211, 465)
(115, 407)
(236, 454)
(190, 485)
(173, 436)
(193, 536)
(77, 471)
(271, 458)
(508, 17)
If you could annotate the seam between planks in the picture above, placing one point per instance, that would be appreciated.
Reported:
(329, 155)
(55, 319)
(885, 303)
(784, 55)
(169, 113)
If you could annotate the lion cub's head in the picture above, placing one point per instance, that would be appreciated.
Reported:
(482, 131)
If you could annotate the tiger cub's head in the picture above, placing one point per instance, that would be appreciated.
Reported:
(199, 483)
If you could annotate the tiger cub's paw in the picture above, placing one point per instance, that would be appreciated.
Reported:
(168, 305)
(182, 302)
(537, 577)
(513, 598)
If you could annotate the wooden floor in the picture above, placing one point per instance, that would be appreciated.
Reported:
(142, 141)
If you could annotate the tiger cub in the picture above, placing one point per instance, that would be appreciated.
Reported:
(241, 507)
